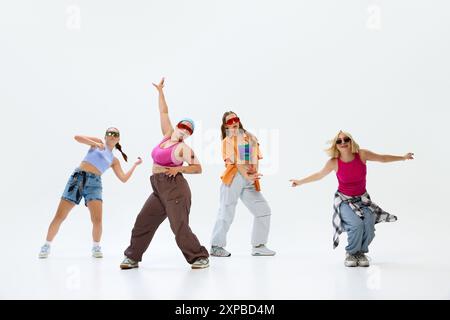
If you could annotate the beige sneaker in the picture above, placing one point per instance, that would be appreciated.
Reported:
(200, 263)
(128, 263)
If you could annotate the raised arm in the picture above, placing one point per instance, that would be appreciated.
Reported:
(329, 166)
(90, 141)
(117, 168)
(367, 155)
(166, 125)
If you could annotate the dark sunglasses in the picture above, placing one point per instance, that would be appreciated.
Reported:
(185, 127)
(112, 134)
(346, 140)
(233, 121)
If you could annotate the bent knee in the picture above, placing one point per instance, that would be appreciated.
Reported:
(96, 220)
(263, 211)
(356, 227)
(59, 218)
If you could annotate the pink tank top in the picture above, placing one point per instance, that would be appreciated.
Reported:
(165, 156)
(352, 176)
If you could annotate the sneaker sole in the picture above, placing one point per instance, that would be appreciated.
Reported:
(200, 267)
(215, 255)
(348, 265)
(43, 257)
(364, 265)
(127, 267)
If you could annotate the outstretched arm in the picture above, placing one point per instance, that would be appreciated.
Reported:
(117, 168)
(90, 141)
(367, 155)
(329, 166)
(166, 125)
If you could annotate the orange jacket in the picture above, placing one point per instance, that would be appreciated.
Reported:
(243, 149)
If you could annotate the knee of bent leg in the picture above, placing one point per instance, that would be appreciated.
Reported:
(227, 211)
(179, 227)
(96, 220)
(370, 229)
(262, 209)
(59, 217)
(355, 224)
(369, 219)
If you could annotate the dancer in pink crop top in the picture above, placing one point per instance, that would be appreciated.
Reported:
(166, 157)
(354, 211)
(171, 195)
(352, 176)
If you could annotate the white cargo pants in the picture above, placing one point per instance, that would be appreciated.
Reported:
(253, 200)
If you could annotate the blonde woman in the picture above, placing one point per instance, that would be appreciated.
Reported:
(354, 212)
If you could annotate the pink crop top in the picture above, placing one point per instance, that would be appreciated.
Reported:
(165, 157)
(352, 176)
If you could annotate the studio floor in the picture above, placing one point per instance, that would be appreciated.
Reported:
(286, 276)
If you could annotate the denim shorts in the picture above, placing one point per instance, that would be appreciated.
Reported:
(85, 185)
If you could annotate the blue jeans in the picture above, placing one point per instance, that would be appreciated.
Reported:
(360, 232)
(85, 185)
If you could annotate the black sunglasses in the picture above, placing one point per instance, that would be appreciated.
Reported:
(346, 140)
(112, 134)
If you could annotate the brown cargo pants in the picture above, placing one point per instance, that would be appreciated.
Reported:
(171, 198)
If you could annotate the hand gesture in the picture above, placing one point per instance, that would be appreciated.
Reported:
(160, 85)
(99, 145)
(254, 176)
(408, 156)
(295, 183)
(172, 171)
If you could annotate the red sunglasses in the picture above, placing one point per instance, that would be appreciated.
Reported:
(186, 127)
(232, 121)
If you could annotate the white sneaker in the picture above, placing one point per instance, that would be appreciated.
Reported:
(219, 252)
(97, 252)
(45, 251)
(350, 260)
(362, 260)
(262, 250)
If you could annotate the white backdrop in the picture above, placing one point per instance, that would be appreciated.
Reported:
(296, 72)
